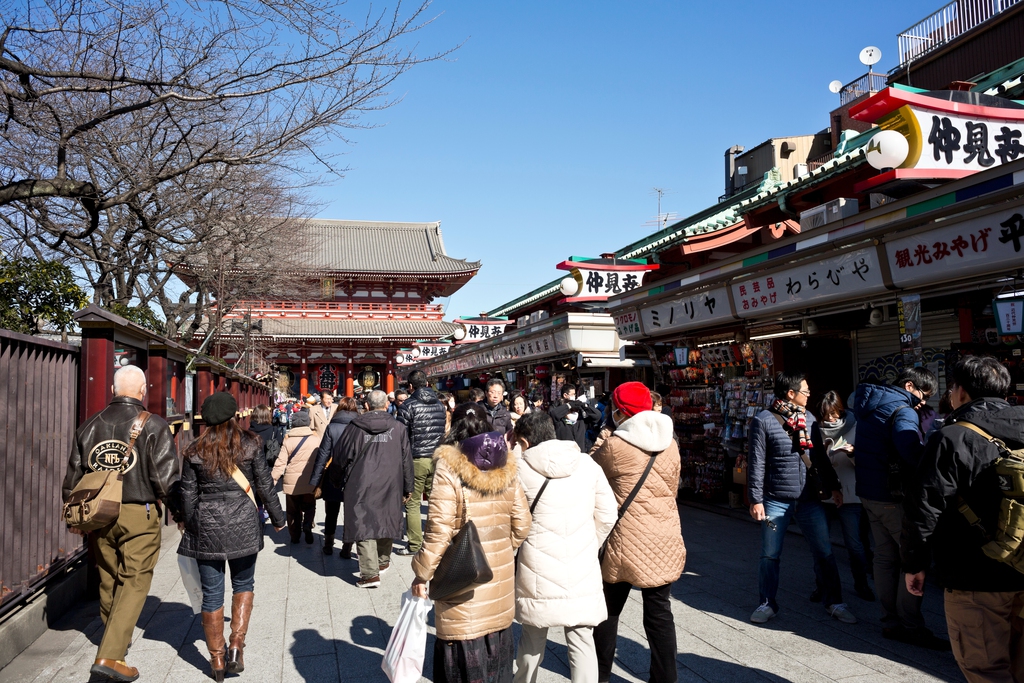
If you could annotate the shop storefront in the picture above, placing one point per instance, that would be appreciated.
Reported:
(911, 282)
(537, 359)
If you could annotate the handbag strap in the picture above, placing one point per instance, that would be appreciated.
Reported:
(296, 450)
(137, 425)
(636, 489)
(533, 506)
(243, 483)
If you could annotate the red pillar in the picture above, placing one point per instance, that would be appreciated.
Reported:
(350, 371)
(96, 373)
(303, 378)
(157, 391)
(389, 384)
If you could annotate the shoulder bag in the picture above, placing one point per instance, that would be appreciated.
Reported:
(625, 505)
(96, 501)
(895, 474)
(813, 476)
(464, 565)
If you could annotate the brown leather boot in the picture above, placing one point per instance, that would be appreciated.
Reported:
(241, 609)
(213, 627)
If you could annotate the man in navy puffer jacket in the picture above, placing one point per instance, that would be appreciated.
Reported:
(888, 430)
(777, 479)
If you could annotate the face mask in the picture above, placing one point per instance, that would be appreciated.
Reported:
(571, 418)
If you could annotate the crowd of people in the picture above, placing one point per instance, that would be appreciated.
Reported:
(575, 506)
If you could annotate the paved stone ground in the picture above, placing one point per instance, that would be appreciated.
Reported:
(310, 623)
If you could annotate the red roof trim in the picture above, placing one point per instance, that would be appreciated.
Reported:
(891, 99)
(912, 174)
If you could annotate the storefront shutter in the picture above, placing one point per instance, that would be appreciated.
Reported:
(878, 348)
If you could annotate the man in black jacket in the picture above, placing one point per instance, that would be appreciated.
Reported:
(983, 596)
(497, 413)
(375, 447)
(127, 550)
(573, 418)
(423, 415)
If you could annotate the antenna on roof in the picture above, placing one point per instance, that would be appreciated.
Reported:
(662, 218)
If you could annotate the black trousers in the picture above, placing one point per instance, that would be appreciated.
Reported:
(299, 511)
(658, 625)
(332, 509)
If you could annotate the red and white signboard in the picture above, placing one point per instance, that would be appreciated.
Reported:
(479, 329)
(596, 279)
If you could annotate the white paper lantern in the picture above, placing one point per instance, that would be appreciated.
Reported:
(887, 149)
(569, 286)
(399, 358)
(415, 353)
(460, 333)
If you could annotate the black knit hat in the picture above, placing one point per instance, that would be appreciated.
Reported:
(301, 418)
(219, 408)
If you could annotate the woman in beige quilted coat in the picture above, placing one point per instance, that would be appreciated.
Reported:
(293, 468)
(474, 628)
(645, 549)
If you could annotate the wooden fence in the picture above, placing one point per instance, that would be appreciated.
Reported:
(38, 409)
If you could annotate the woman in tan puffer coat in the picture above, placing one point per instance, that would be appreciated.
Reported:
(645, 549)
(295, 466)
(474, 628)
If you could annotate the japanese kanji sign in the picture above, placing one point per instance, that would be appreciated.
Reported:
(978, 245)
(524, 350)
(1009, 315)
(627, 324)
(944, 135)
(848, 275)
(478, 329)
(697, 310)
(599, 278)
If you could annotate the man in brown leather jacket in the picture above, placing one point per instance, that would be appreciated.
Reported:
(127, 550)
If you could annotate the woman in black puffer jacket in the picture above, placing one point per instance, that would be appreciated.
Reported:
(221, 469)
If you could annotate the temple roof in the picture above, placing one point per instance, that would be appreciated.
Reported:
(376, 246)
(310, 328)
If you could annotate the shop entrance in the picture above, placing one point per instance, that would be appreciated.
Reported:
(827, 362)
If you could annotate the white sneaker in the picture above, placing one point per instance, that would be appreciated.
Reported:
(842, 613)
(762, 614)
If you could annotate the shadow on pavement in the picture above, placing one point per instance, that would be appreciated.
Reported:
(359, 659)
(721, 672)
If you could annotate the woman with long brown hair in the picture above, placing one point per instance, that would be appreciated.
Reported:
(221, 472)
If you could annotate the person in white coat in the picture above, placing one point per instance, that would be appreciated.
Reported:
(558, 579)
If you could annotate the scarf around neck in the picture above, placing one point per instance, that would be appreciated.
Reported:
(796, 420)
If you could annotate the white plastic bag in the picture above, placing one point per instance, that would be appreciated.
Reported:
(403, 658)
(189, 569)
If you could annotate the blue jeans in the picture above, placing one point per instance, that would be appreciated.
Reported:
(211, 576)
(810, 515)
(849, 515)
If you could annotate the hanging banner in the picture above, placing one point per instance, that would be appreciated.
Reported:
(690, 312)
(1009, 315)
(596, 279)
(845, 276)
(977, 245)
(909, 309)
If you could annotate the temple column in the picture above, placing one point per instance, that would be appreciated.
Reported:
(389, 384)
(350, 371)
(303, 378)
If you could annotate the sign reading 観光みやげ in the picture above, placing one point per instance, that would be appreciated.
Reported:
(687, 312)
(977, 245)
(844, 276)
(627, 324)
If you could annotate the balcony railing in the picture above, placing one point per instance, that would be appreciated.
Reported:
(955, 19)
(342, 306)
(865, 85)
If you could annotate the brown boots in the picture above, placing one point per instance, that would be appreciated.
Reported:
(213, 627)
(241, 609)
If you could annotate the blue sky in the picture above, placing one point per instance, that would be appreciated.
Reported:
(543, 135)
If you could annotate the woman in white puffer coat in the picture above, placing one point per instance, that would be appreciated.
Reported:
(558, 579)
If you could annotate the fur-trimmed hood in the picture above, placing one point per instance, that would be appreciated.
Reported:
(488, 482)
(649, 431)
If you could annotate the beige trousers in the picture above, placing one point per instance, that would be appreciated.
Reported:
(987, 635)
(582, 653)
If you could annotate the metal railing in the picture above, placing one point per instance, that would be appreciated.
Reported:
(814, 164)
(947, 23)
(240, 309)
(865, 85)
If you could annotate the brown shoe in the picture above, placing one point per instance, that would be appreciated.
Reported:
(241, 609)
(213, 627)
(115, 669)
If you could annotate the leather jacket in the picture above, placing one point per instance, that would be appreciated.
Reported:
(151, 472)
(423, 415)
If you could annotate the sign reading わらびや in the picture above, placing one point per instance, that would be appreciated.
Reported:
(969, 247)
(844, 276)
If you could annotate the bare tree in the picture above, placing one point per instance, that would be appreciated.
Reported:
(233, 82)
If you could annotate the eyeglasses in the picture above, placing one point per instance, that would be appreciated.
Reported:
(805, 393)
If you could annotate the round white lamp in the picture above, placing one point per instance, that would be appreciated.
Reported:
(887, 149)
(459, 333)
(569, 286)
(415, 353)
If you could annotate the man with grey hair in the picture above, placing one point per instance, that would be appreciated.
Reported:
(374, 451)
(127, 550)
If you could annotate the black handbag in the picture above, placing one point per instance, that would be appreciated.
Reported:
(464, 565)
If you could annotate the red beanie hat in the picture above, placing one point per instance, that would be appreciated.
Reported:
(632, 398)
